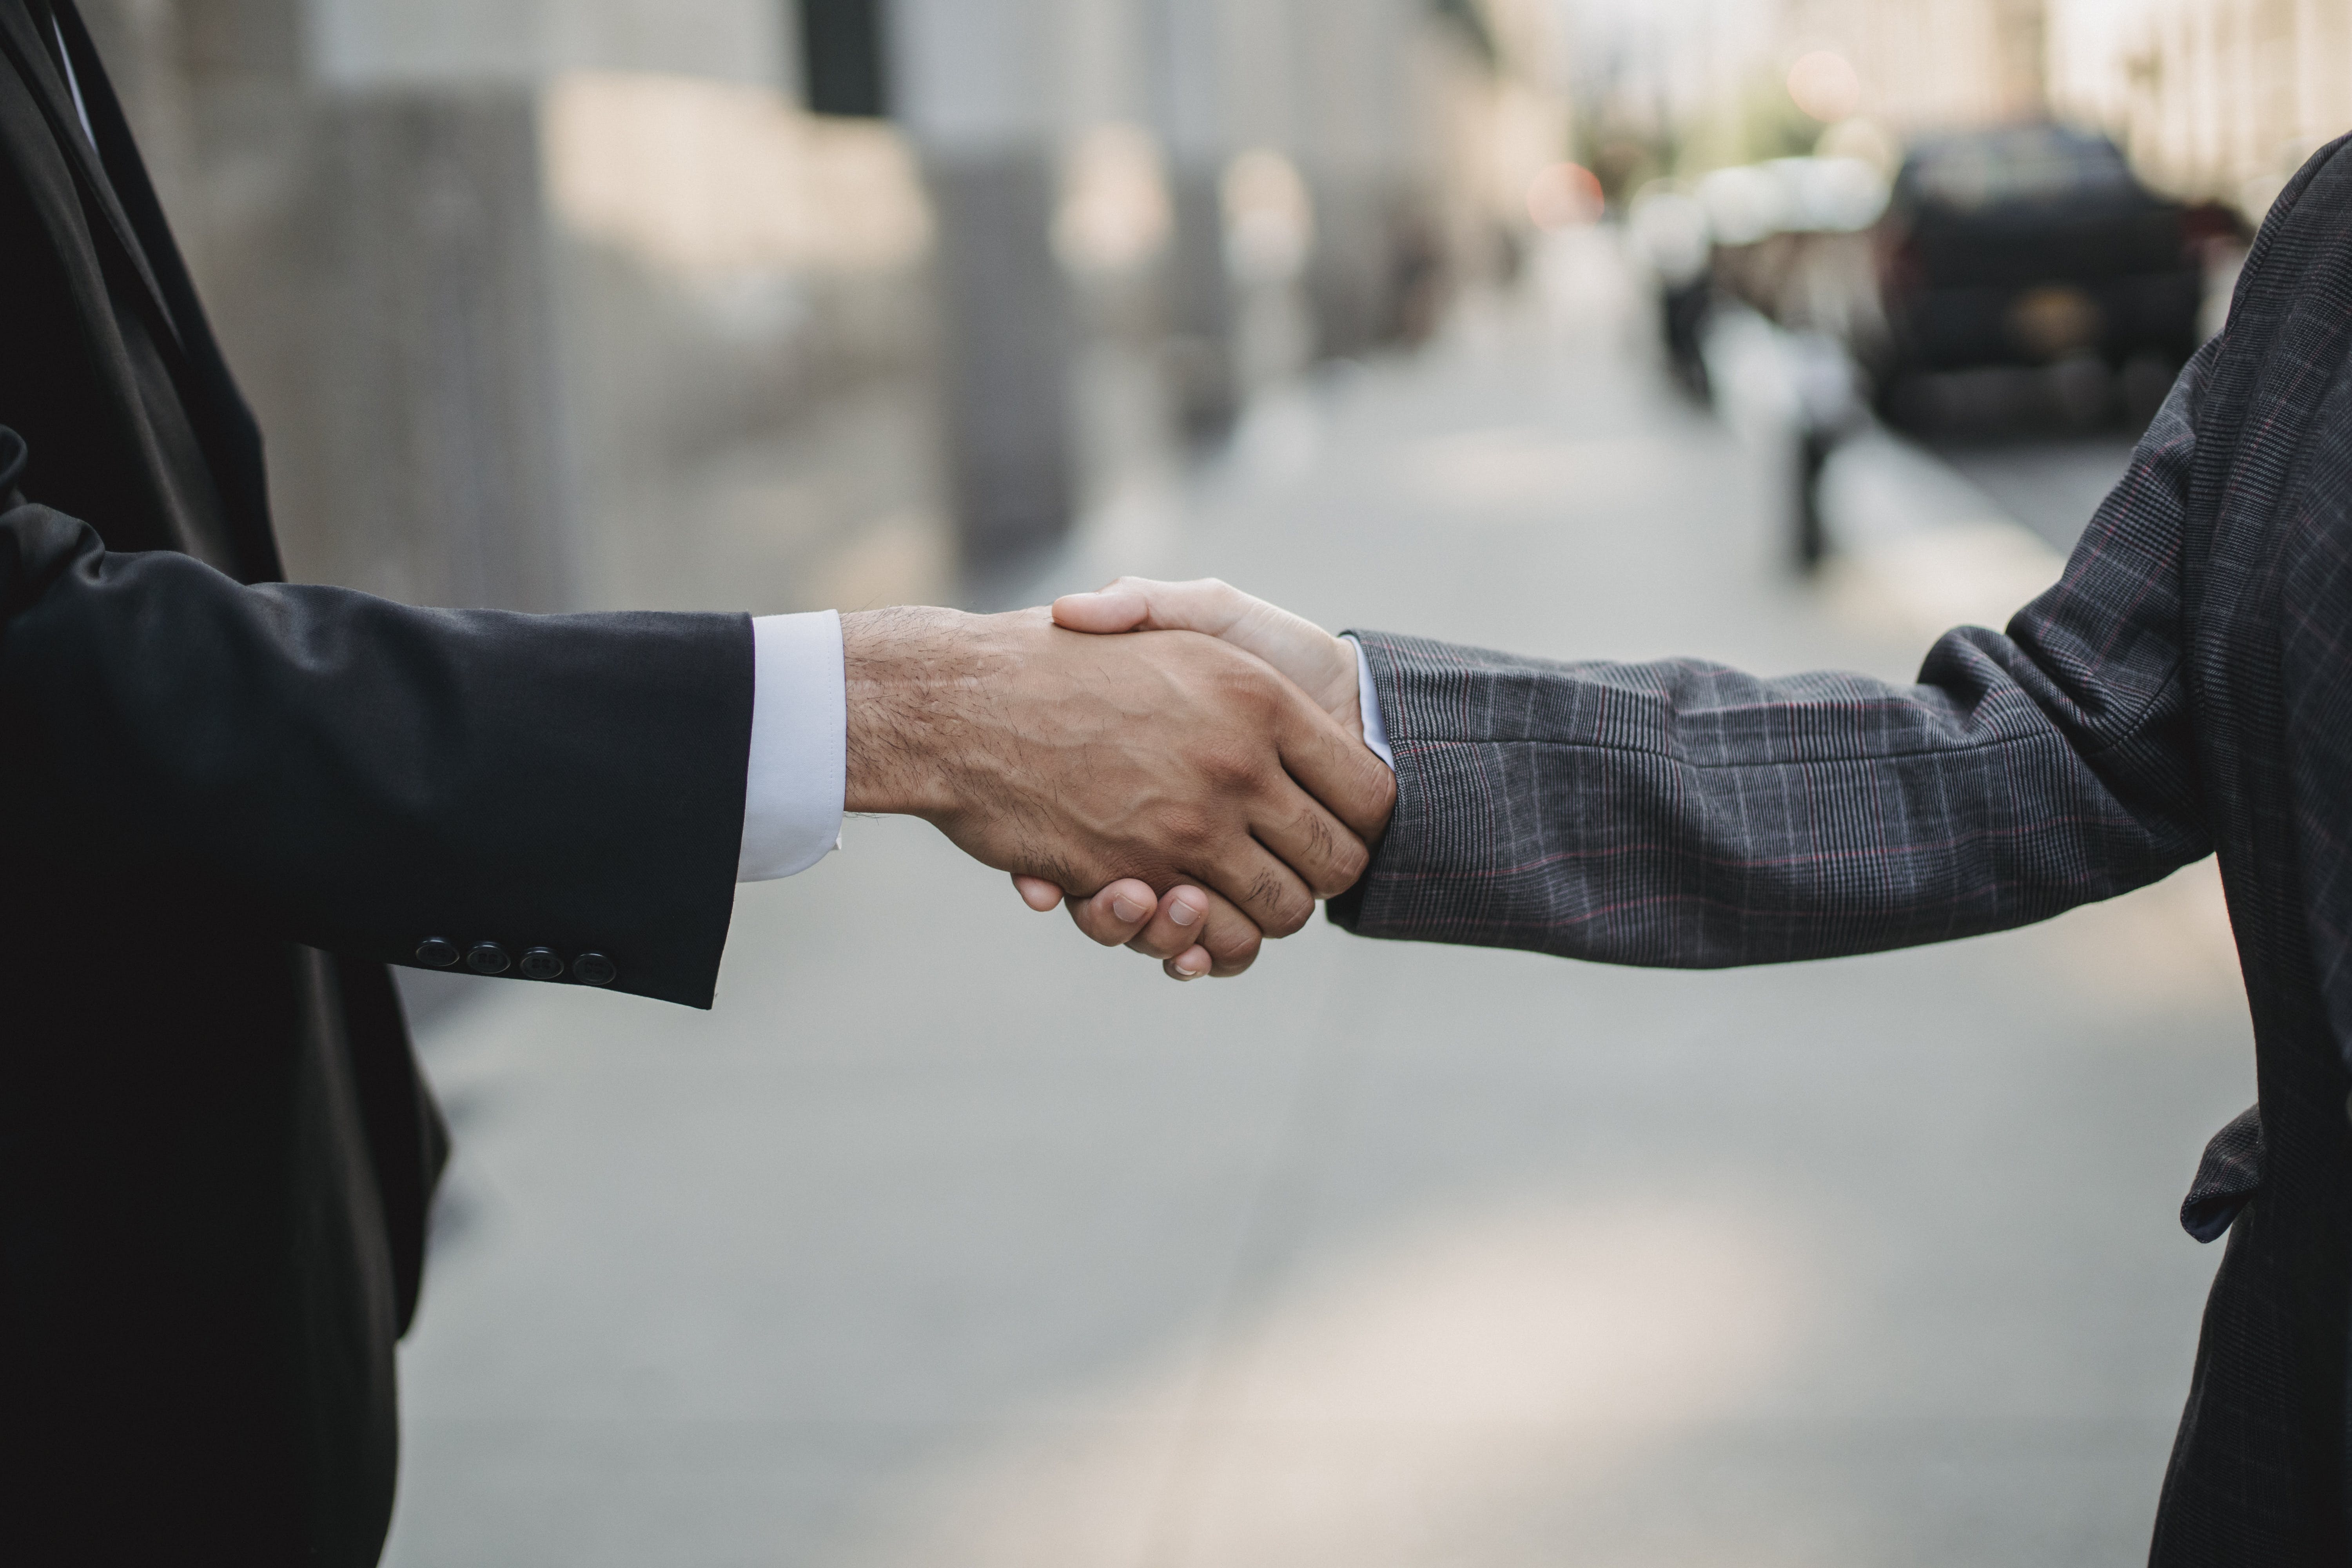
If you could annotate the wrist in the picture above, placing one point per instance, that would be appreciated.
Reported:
(1345, 702)
(900, 669)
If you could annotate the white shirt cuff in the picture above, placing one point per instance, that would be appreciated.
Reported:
(800, 738)
(1368, 702)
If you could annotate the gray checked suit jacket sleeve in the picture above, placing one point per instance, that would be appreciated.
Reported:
(1685, 814)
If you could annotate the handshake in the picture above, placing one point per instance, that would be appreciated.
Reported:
(1182, 764)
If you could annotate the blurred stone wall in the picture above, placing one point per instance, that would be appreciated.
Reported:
(749, 358)
(1336, 168)
(376, 264)
(555, 303)
(480, 388)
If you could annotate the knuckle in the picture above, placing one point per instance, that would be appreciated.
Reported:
(1229, 768)
(1188, 832)
(1322, 844)
(1332, 858)
(1287, 909)
(1241, 683)
(1348, 862)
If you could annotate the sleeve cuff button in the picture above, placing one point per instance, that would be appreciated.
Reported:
(594, 969)
(542, 963)
(437, 952)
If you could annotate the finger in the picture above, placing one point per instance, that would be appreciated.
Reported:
(1320, 664)
(1325, 854)
(1276, 899)
(1100, 613)
(1337, 769)
(1204, 604)
(1037, 893)
(1175, 925)
(1194, 924)
(1114, 916)
(1192, 964)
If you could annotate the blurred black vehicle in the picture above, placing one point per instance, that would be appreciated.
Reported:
(2031, 244)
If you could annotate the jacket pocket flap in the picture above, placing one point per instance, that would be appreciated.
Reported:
(2227, 1178)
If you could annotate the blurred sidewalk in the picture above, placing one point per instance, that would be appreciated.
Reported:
(950, 1241)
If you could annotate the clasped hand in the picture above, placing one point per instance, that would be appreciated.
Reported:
(1181, 765)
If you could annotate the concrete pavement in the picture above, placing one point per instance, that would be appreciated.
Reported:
(949, 1241)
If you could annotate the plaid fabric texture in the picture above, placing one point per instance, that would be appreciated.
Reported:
(2186, 689)
(2227, 1178)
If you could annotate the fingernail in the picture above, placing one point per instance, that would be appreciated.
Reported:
(1129, 911)
(1183, 913)
(1190, 974)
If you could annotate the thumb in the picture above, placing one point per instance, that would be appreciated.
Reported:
(1037, 893)
(1314, 660)
(1109, 611)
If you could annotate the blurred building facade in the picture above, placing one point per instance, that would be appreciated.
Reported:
(2213, 100)
(1926, 65)
(576, 302)
(2216, 99)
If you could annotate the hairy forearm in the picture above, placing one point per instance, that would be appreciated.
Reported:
(941, 726)
(905, 670)
(963, 721)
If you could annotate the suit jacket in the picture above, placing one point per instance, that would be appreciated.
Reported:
(2186, 688)
(225, 805)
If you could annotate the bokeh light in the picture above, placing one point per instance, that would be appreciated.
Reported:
(1824, 86)
(1564, 196)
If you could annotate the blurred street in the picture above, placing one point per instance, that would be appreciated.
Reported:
(949, 1241)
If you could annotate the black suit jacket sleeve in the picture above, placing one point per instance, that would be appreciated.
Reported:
(361, 776)
(1681, 814)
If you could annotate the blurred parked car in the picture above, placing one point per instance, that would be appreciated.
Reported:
(2031, 244)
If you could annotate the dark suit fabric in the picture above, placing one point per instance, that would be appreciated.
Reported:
(225, 805)
(2186, 688)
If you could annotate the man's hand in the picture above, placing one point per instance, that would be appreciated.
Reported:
(1320, 664)
(1116, 764)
